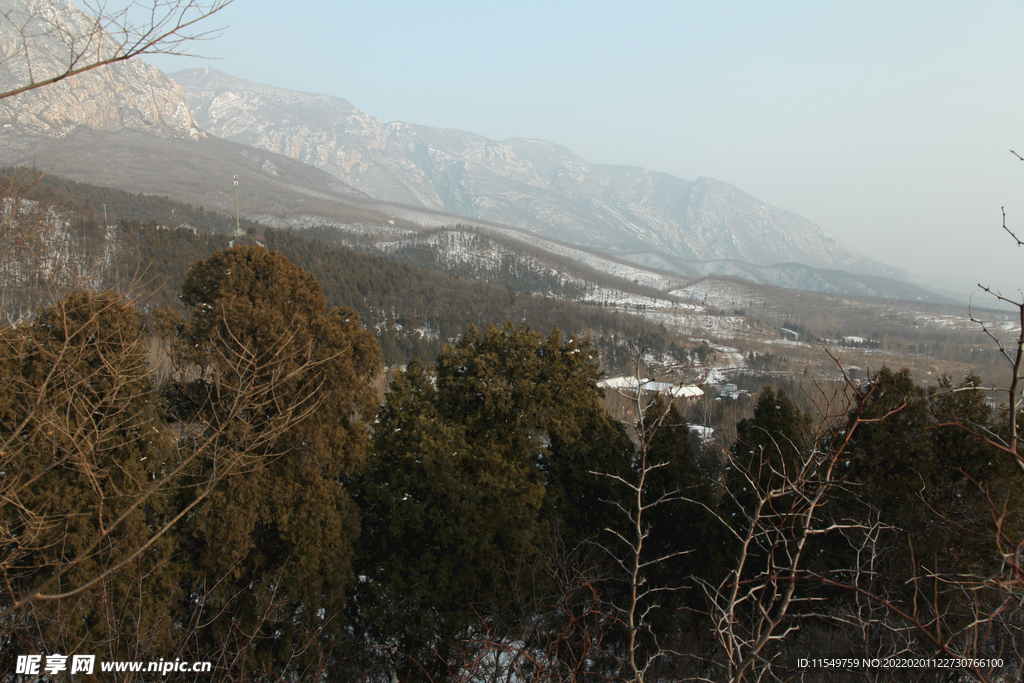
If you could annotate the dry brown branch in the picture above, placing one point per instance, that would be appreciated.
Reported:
(751, 607)
(51, 41)
(1008, 231)
(61, 417)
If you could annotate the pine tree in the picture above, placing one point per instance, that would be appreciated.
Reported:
(768, 452)
(890, 453)
(689, 525)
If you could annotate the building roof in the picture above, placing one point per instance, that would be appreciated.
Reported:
(631, 383)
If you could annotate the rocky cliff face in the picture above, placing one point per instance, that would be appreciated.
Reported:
(530, 184)
(39, 39)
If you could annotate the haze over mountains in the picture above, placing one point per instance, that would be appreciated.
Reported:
(531, 184)
(308, 159)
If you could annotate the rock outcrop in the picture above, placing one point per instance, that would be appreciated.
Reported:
(40, 39)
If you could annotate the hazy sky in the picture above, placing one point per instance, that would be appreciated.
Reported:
(889, 123)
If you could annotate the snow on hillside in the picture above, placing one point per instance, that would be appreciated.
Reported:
(456, 247)
(43, 250)
(605, 264)
(721, 293)
(701, 323)
(626, 271)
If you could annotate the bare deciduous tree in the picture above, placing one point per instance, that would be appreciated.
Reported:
(634, 553)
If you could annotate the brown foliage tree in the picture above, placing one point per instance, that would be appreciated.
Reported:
(82, 450)
(271, 548)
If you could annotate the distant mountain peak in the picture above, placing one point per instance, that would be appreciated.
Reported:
(530, 184)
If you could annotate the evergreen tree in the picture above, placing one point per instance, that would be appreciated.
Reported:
(957, 411)
(430, 531)
(767, 454)
(285, 383)
(971, 476)
(916, 464)
(890, 453)
(82, 440)
(473, 463)
(689, 525)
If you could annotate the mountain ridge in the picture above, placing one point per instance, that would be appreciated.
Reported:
(531, 184)
(129, 125)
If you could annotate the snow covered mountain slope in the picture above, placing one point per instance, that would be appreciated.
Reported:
(529, 184)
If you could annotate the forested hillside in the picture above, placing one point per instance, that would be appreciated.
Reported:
(239, 454)
(412, 311)
(249, 503)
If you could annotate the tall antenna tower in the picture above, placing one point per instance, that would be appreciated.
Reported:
(238, 225)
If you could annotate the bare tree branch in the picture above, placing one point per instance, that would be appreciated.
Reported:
(47, 41)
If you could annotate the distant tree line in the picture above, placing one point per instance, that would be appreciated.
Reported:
(412, 311)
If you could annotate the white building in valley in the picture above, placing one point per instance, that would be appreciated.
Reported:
(631, 384)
